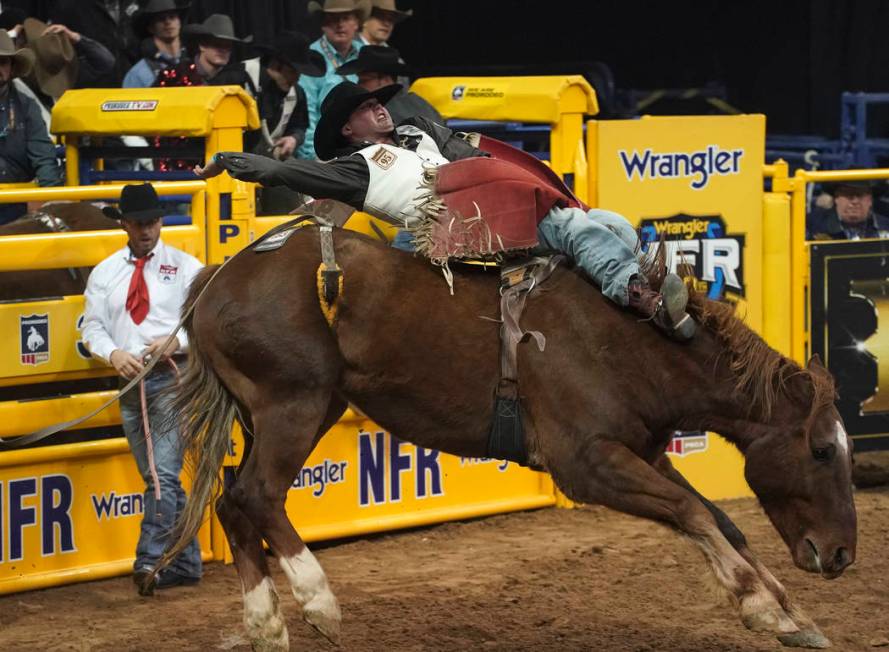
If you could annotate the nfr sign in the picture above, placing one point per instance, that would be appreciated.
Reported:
(375, 467)
(44, 503)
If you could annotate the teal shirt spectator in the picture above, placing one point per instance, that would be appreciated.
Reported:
(317, 88)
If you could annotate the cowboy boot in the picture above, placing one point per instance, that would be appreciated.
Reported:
(665, 308)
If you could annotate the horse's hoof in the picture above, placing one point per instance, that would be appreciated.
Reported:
(811, 638)
(325, 616)
(766, 615)
(266, 645)
(328, 627)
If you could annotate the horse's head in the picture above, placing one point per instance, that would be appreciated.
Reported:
(801, 470)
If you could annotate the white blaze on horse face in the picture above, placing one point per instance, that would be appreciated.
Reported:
(309, 585)
(262, 617)
(842, 438)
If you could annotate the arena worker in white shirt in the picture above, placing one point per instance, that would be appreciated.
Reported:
(133, 301)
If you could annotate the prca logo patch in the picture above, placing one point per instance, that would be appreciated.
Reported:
(34, 339)
(686, 443)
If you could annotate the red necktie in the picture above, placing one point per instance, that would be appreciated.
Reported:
(137, 295)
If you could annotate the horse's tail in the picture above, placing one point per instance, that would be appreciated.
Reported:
(206, 411)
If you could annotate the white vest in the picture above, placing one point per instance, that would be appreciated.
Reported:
(396, 177)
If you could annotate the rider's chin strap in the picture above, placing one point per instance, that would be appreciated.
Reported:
(329, 277)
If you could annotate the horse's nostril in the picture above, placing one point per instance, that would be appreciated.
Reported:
(841, 559)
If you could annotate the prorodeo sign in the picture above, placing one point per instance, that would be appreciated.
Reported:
(129, 105)
(699, 166)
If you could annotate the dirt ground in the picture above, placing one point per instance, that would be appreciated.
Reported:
(554, 579)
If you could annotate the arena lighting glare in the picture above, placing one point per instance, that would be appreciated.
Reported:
(860, 347)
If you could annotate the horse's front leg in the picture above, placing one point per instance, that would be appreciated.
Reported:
(608, 473)
(809, 635)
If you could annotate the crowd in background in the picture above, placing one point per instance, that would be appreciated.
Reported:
(105, 43)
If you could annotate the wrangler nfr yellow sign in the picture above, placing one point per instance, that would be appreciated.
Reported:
(696, 182)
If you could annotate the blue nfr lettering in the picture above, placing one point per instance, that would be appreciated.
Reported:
(427, 462)
(371, 468)
(19, 516)
(56, 513)
(397, 464)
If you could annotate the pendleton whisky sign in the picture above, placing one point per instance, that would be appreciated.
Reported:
(850, 331)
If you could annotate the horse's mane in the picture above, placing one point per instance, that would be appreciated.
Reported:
(762, 374)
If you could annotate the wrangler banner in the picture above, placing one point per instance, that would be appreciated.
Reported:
(697, 183)
(850, 331)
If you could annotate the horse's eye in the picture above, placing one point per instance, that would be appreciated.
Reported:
(824, 454)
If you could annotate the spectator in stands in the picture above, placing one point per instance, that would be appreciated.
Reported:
(282, 111)
(107, 21)
(133, 301)
(378, 66)
(210, 45)
(26, 152)
(339, 44)
(64, 59)
(852, 216)
(384, 16)
(281, 100)
(158, 25)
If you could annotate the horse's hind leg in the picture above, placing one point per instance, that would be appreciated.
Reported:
(263, 621)
(809, 634)
(608, 473)
(286, 429)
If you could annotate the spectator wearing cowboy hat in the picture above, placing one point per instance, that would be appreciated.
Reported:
(159, 25)
(281, 100)
(852, 215)
(132, 303)
(339, 44)
(210, 45)
(384, 16)
(64, 59)
(26, 152)
(107, 21)
(378, 66)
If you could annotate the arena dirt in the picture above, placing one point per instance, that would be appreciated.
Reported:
(585, 579)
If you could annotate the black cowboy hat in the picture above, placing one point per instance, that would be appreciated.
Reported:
(138, 202)
(218, 26)
(336, 108)
(292, 48)
(859, 186)
(376, 58)
(144, 16)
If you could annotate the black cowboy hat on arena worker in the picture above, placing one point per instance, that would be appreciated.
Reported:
(380, 59)
(336, 109)
(292, 49)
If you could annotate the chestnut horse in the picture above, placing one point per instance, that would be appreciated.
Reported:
(599, 405)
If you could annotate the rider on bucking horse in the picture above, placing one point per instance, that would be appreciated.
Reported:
(460, 201)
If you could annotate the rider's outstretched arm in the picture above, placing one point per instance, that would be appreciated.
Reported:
(344, 179)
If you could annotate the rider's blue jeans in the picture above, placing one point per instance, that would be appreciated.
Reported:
(158, 516)
(603, 243)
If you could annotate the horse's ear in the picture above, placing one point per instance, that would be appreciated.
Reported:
(815, 363)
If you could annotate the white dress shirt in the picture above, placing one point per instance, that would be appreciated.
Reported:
(108, 326)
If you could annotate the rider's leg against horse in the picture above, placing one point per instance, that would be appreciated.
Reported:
(809, 635)
(286, 426)
(604, 244)
(159, 515)
(608, 473)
